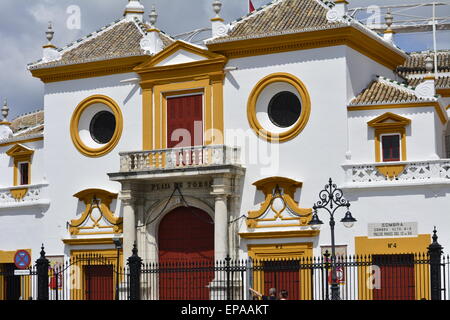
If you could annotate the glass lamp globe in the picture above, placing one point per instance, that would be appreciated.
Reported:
(348, 220)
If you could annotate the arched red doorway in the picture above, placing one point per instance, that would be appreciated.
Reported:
(186, 254)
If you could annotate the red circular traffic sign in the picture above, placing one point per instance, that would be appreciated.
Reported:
(22, 259)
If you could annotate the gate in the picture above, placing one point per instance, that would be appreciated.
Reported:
(88, 277)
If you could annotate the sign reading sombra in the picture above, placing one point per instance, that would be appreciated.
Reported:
(392, 229)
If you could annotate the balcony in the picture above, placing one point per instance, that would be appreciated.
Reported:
(399, 173)
(24, 196)
(190, 160)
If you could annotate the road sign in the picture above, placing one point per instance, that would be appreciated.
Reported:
(22, 259)
(22, 272)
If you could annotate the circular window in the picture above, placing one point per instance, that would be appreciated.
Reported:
(279, 107)
(102, 127)
(284, 109)
(96, 126)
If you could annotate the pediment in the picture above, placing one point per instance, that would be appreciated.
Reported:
(19, 150)
(179, 53)
(389, 119)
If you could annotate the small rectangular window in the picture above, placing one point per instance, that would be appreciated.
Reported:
(391, 147)
(24, 171)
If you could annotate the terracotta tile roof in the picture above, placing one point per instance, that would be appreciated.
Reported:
(281, 16)
(27, 124)
(415, 64)
(385, 91)
(120, 39)
(441, 83)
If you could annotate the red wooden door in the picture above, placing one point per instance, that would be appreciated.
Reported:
(99, 282)
(397, 277)
(185, 126)
(282, 275)
(186, 254)
(185, 121)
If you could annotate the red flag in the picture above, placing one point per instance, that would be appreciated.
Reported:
(251, 8)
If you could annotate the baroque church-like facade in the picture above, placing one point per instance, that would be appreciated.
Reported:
(203, 151)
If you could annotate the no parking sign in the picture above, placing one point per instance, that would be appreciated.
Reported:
(22, 259)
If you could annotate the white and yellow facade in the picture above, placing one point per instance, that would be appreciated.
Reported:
(258, 182)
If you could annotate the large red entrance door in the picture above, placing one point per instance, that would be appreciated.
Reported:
(397, 277)
(99, 282)
(186, 254)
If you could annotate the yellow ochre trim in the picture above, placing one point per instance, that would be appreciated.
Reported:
(365, 246)
(21, 141)
(280, 234)
(389, 123)
(20, 154)
(348, 36)
(301, 122)
(74, 123)
(88, 70)
(273, 252)
(105, 198)
(278, 188)
(441, 114)
(78, 276)
(5, 123)
(7, 257)
(444, 93)
(90, 241)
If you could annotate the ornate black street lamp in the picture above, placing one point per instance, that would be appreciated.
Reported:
(331, 199)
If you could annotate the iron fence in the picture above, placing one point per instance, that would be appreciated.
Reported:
(95, 277)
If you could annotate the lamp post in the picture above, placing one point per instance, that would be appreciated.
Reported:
(331, 199)
(118, 244)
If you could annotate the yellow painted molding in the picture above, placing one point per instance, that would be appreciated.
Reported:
(278, 188)
(20, 150)
(20, 153)
(305, 105)
(47, 46)
(77, 274)
(349, 36)
(261, 253)
(105, 198)
(88, 70)
(90, 241)
(8, 256)
(19, 194)
(5, 123)
(391, 171)
(217, 19)
(444, 93)
(74, 122)
(441, 114)
(366, 247)
(280, 234)
(389, 123)
(21, 141)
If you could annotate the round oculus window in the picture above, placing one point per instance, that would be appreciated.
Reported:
(102, 127)
(284, 109)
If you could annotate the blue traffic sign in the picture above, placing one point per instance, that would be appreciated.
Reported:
(22, 259)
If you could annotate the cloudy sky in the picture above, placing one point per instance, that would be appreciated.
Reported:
(23, 23)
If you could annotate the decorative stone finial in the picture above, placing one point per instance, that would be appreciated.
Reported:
(5, 110)
(134, 9)
(217, 7)
(389, 19)
(151, 43)
(389, 33)
(219, 28)
(50, 51)
(50, 33)
(153, 17)
(429, 64)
